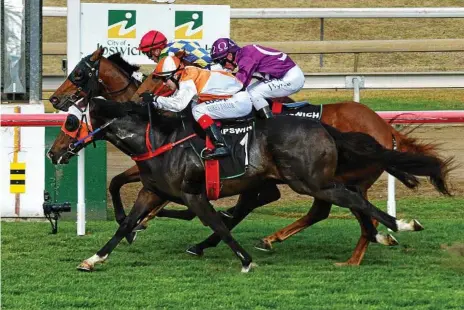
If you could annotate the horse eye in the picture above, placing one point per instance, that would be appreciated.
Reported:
(72, 123)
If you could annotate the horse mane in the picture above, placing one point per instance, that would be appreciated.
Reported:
(114, 109)
(123, 64)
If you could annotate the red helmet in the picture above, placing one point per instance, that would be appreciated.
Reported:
(152, 39)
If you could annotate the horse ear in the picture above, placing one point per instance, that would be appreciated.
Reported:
(97, 54)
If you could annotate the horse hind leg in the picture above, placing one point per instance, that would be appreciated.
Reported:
(206, 213)
(131, 175)
(247, 202)
(319, 211)
(338, 194)
(369, 234)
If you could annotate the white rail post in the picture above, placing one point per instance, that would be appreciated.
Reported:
(73, 48)
(356, 94)
(355, 82)
(391, 202)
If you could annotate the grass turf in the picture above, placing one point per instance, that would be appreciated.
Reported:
(424, 272)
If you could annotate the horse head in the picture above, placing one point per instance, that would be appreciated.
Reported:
(154, 85)
(87, 122)
(96, 75)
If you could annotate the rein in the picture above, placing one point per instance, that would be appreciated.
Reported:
(91, 134)
(162, 149)
(84, 120)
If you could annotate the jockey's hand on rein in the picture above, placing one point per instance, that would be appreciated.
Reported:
(147, 97)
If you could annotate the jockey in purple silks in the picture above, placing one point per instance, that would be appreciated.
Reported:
(280, 76)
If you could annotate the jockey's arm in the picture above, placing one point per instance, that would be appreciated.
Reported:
(246, 68)
(180, 100)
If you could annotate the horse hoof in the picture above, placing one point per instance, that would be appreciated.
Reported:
(139, 227)
(417, 226)
(226, 214)
(85, 266)
(194, 250)
(264, 246)
(387, 240)
(413, 225)
(391, 241)
(131, 237)
(246, 269)
(347, 263)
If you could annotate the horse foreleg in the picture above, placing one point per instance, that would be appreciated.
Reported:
(131, 175)
(319, 211)
(146, 201)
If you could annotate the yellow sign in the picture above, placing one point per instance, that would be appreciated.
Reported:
(121, 24)
(17, 178)
(188, 25)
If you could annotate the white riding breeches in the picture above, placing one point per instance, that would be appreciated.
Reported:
(289, 84)
(238, 105)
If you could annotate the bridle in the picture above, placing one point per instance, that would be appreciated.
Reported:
(86, 77)
(79, 123)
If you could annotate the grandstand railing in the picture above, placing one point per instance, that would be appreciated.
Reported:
(258, 13)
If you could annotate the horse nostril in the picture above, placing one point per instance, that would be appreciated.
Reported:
(50, 155)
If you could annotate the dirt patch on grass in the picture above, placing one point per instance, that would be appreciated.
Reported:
(455, 256)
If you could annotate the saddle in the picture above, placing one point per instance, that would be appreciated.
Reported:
(238, 134)
(299, 109)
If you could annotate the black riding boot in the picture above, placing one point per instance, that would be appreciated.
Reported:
(266, 112)
(220, 147)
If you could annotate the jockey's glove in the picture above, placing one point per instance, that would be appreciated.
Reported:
(147, 97)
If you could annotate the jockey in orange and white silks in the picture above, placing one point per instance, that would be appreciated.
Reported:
(218, 94)
(281, 76)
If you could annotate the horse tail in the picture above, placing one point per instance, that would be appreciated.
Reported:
(355, 149)
(412, 145)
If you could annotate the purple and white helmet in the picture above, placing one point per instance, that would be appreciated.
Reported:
(221, 47)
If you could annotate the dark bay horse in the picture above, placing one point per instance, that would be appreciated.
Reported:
(112, 78)
(303, 154)
(346, 117)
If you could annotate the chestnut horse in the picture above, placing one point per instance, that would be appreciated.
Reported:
(345, 116)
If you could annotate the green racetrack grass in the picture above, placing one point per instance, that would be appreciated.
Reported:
(424, 272)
